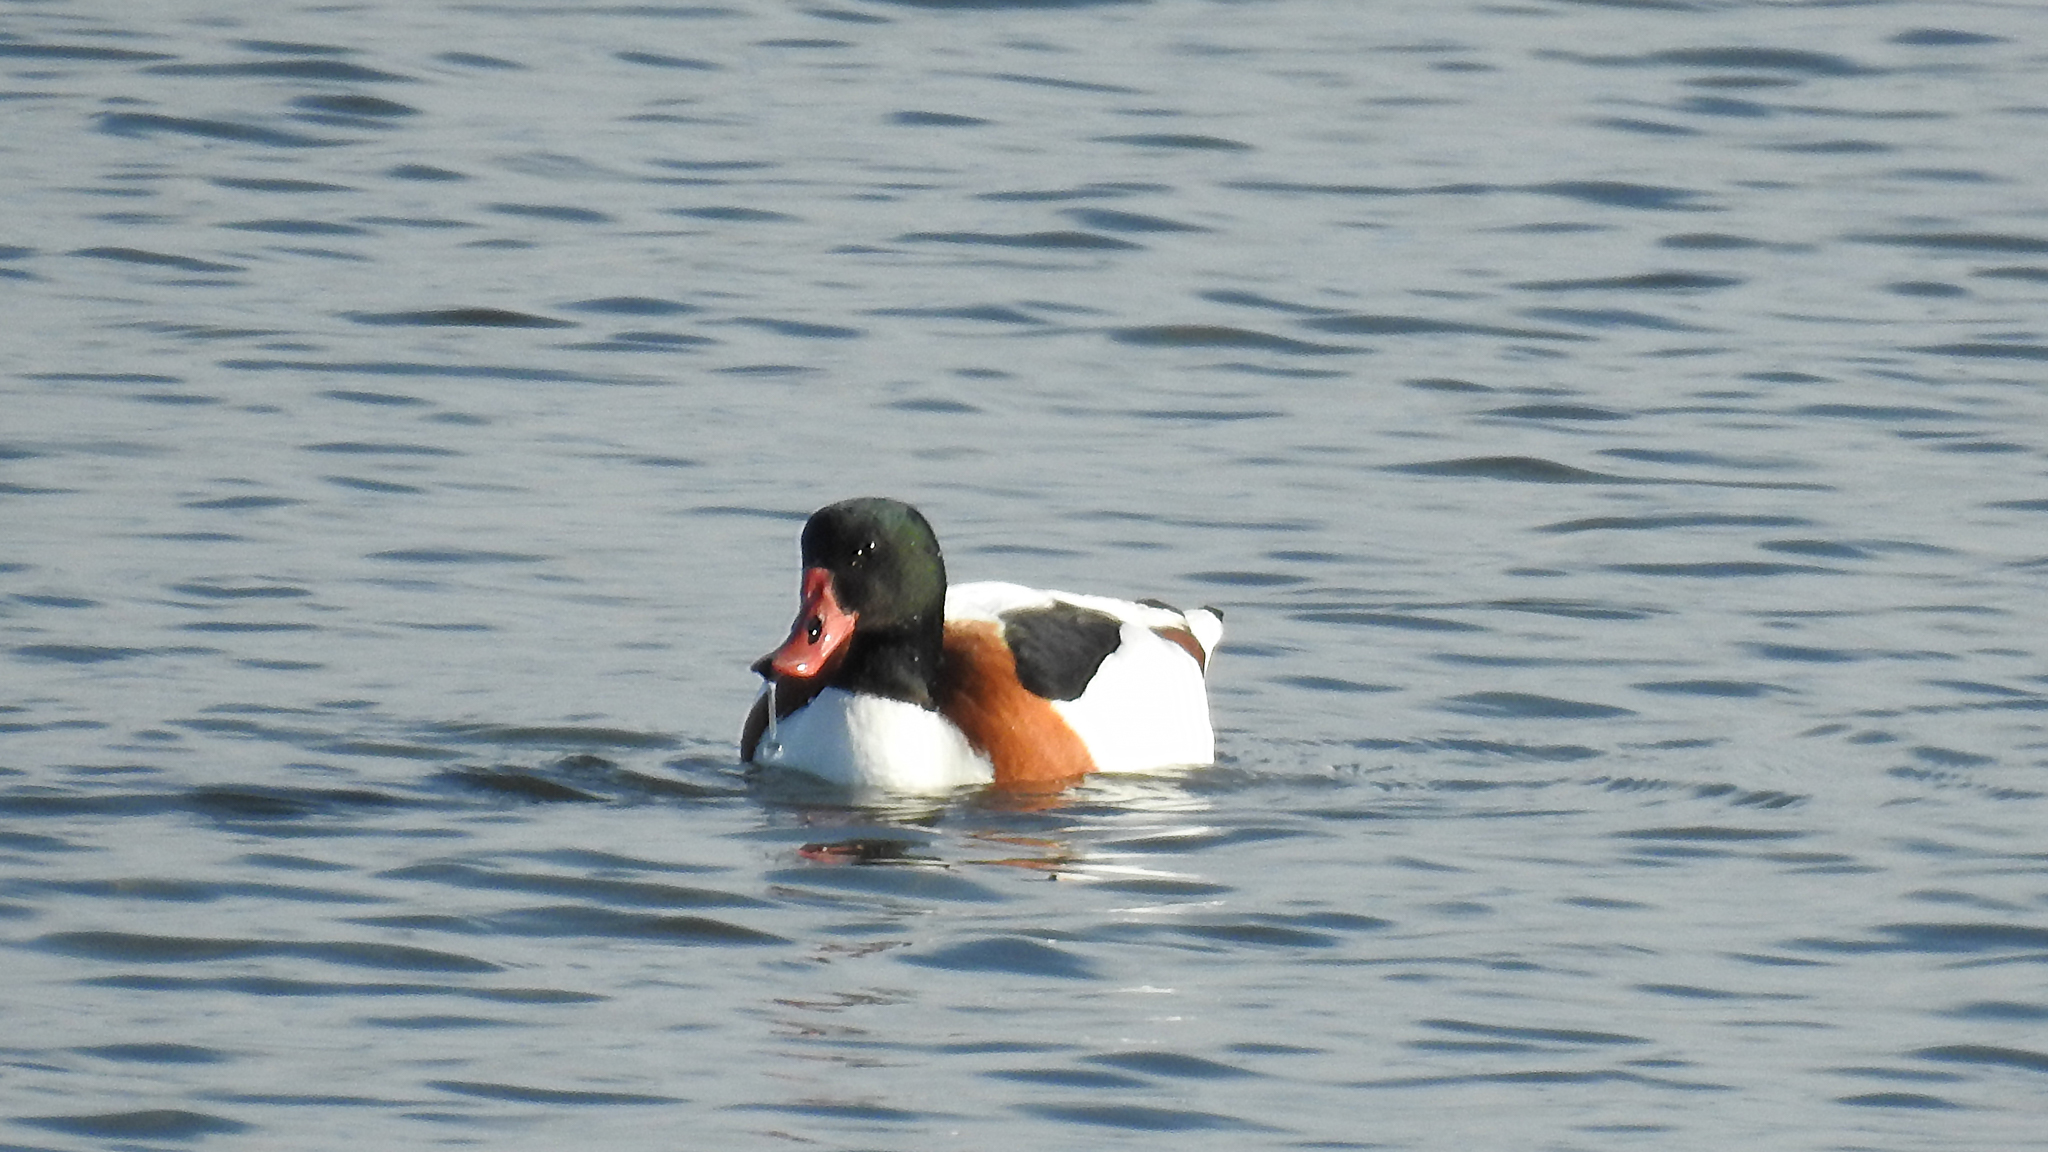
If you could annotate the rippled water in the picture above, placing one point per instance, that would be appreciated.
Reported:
(1616, 433)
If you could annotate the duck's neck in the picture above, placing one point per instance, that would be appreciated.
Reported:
(900, 663)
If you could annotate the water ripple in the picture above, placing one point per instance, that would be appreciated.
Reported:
(1006, 955)
(459, 318)
(525, 1094)
(140, 948)
(149, 1124)
(152, 124)
(1070, 241)
(1144, 1118)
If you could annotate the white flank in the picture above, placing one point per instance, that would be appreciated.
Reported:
(1146, 709)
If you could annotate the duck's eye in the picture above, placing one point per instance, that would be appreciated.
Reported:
(815, 628)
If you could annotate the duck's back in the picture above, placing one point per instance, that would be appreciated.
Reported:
(1128, 679)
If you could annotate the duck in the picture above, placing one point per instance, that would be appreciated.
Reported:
(893, 680)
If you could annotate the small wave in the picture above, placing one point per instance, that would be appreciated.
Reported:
(157, 259)
(981, 313)
(1621, 194)
(164, 1053)
(733, 214)
(378, 448)
(1403, 620)
(151, 124)
(26, 51)
(1219, 336)
(1914, 1100)
(1996, 243)
(459, 318)
(1109, 220)
(525, 1094)
(1009, 955)
(1556, 412)
(1362, 324)
(1529, 705)
(77, 653)
(146, 948)
(352, 109)
(1945, 939)
(801, 329)
(577, 920)
(1184, 141)
(663, 60)
(1143, 1118)
(455, 556)
(633, 306)
(1728, 689)
(1987, 350)
(1676, 520)
(1720, 569)
(420, 369)
(149, 1124)
(1525, 469)
(919, 119)
(1057, 241)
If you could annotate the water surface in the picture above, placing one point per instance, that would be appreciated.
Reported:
(1616, 434)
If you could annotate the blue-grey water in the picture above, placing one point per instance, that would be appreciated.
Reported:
(1618, 434)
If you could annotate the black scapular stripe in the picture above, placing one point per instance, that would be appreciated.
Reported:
(1059, 648)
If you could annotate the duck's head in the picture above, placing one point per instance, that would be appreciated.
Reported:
(873, 580)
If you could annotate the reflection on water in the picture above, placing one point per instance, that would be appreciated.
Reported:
(1614, 432)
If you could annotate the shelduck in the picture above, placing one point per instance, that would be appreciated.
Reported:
(892, 680)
